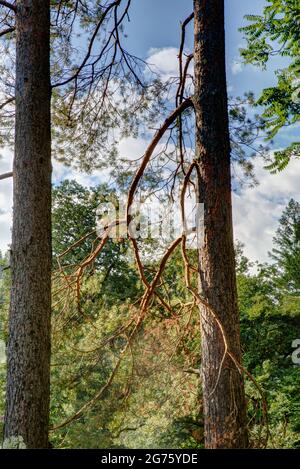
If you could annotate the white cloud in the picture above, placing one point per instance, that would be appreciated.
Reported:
(132, 148)
(257, 210)
(236, 67)
(61, 173)
(164, 62)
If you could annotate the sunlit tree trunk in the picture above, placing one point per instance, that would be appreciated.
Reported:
(27, 398)
(223, 393)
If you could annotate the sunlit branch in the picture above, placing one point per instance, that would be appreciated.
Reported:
(149, 152)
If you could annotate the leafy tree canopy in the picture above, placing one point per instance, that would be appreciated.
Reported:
(276, 32)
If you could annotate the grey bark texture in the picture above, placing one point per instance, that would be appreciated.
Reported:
(224, 397)
(28, 387)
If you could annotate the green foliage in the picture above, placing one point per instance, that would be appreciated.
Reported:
(269, 304)
(87, 344)
(276, 32)
(74, 217)
(282, 158)
(286, 250)
(155, 399)
(4, 299)
(278, 25)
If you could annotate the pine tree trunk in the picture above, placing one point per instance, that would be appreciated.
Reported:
(27, 399)
(224, 398)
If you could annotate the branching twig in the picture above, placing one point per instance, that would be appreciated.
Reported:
(90, 46)
(149, 152)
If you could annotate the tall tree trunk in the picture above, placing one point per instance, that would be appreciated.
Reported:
(27, 398)
(223, 393)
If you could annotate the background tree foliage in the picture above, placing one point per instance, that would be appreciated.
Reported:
(154, 400)
(276, 33)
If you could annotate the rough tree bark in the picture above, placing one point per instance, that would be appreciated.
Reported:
(224, 398)
(27, 398)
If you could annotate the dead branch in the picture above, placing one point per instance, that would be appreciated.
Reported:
(144, 304)
(5, 103)
(6, 176)
(180, 56)
(8, 5)
(149, 152)
(7, 31)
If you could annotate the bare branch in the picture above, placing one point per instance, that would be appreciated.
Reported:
(182, 42)
(8, 5)
(7, 31)
(128, 429)
(90, 47)
(195, 371)
(6, 176)
(8, 101)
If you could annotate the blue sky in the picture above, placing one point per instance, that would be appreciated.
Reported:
(154, 31)
(156, 24)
